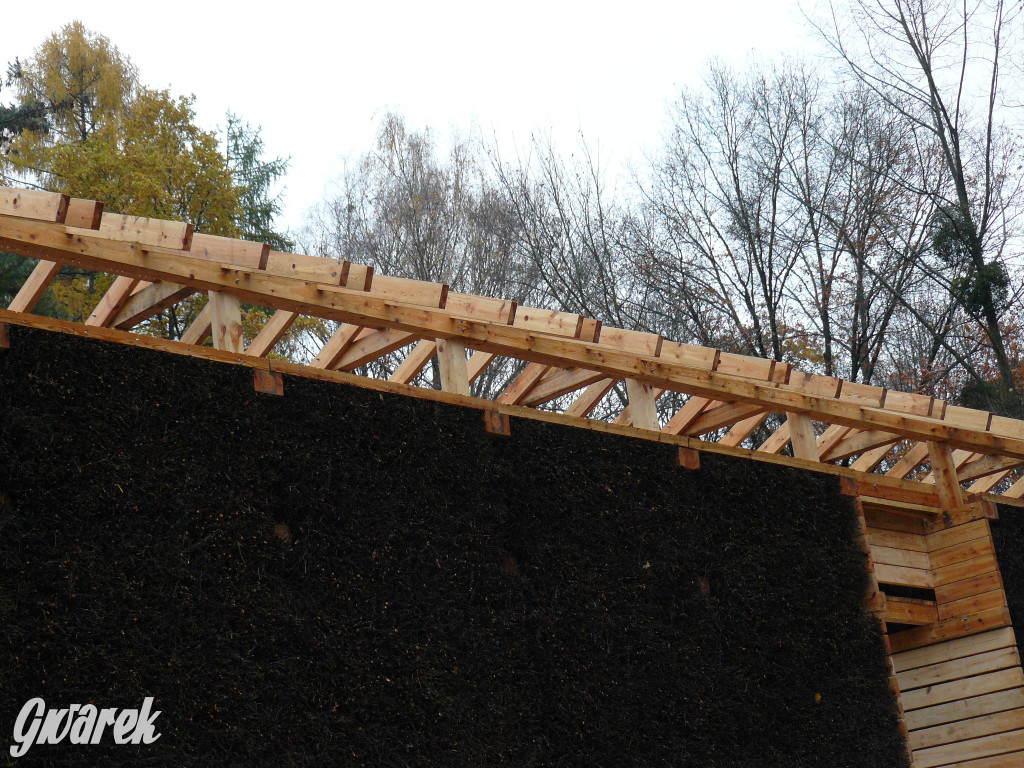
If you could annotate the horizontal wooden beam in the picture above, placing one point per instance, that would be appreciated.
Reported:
(35, 238)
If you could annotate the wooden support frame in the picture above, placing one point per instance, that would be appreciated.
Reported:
(727, 392)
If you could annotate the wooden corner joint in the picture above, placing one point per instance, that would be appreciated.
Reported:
(497, 423)
(688, 458)
(267, 382)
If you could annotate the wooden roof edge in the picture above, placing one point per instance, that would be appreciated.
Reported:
(878, 487)
(931, 418)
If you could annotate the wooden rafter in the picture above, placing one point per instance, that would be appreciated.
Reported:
(563, 352)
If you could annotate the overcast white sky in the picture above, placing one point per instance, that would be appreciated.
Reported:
(317, 77)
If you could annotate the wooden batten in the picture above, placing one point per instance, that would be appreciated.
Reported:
(34, 204)
(199, 330)
(32, 290)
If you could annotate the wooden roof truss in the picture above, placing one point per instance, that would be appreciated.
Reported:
(571, 362)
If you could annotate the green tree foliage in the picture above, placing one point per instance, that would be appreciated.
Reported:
(152, 160)
(255, 180)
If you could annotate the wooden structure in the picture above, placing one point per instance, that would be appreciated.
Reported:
(936, 583)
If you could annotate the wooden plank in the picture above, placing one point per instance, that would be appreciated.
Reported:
(910, 403)
(228, 250)
(34, 204)
(638, 342)
(954, 649)
(858, 442)
(964, 709)
(907, 610)
(910, 461)
(481, 308)
(964, 570)
(815, 384)
(303, 267)
(687, 458)
(901, 557)
(560, 382)
(970, 550)
(549, 321)
(642, 405)
(690, 355)
(689, 413)
(969, 750)
(893, 520)
(451, 359)
(801, 432)
(957, 669)
(175, 235)
(960, 534)
(517, 391)
(86, 214)
(1016, 490)
(778, 440)
(226, 322)
(968, 418)
(741, 430)
(414, 362)
(974, 585)
(976, 603)
(720, 416)
(271, 333)
(832, 436)
(903, 576)
(35, 286)
(590, 397)
(867, 461)
(965, 688)
(150, 301)
(112, 301)
(415, 292)
(985, 466)
(372, 347)
(343, 338)
(478, 363)
(199, 330)
(863, 394)
(987, 483)
(985, 725)
(749, 367)
(914, 542)
(359, 277)
(1005, 760)
(950, 630)
(950, 494)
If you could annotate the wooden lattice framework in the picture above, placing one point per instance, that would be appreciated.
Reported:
(954, 656)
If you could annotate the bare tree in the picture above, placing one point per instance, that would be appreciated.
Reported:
(939, 66)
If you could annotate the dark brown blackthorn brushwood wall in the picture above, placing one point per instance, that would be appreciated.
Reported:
(557, 597)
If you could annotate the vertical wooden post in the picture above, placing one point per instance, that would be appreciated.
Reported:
(801, 433)
(642, 404)
(944, 469)
(226, 322)
(451, 359)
